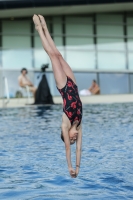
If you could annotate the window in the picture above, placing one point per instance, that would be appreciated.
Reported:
(130, 60)
(130, 32)
(130, 41)
(111, 60)
(57, 31)
(79, 43)
(110, 42)
(114, 83)
(131, 82)
(16, 44)
(40, 56)
(84, 80)
(57, 35)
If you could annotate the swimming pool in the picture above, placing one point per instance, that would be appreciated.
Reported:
(32, 155)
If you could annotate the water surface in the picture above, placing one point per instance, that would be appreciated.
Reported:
(32, 155)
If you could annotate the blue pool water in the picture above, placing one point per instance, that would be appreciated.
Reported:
(32, 156)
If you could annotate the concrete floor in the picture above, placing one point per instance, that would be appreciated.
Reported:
(99, 99)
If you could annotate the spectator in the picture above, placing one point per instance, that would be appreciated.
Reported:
(93, 90)
(24, 81)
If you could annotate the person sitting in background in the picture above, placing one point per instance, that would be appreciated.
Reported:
(93, 90)
(24, 81)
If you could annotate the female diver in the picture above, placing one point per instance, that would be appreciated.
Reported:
(66, 84)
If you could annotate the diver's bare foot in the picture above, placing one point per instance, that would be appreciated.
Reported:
(37, 23)
(43, 22)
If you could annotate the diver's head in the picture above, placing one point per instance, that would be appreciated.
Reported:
(73, 134)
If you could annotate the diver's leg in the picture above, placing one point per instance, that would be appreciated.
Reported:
(59, 74)
(64, 64)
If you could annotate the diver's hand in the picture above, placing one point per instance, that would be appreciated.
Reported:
(77, 171)
(72, 172)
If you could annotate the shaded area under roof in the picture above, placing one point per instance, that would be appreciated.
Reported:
(11, 4)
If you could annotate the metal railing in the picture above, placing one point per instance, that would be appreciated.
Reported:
(5, 92)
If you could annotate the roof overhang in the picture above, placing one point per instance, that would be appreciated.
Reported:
(65, 10)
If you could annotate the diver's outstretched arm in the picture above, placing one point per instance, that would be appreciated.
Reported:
(78, 150)
(68, 151)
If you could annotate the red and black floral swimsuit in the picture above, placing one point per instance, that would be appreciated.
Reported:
(72, 105)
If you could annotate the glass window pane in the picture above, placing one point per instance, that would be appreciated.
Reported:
(16, 44)
(77, 42)
(0, 58)
(1, 79)
(58, 41)
(130, 44)
(130, 32)
(37, 42)
(16, 27)
(110, 30)
(16, 34)
(57, 31)
(130, 60)
(109, 18)
(107, 28)
(79, 26)
(84, 80)
(110, 44)
(80, 59)
(17, 58)
(111, 60)
(131, 82)
(40, 56)
(114, 83)
(57, 25)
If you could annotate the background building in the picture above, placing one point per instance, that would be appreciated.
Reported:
(94, 37)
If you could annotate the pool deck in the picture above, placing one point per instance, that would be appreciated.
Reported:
(99, 99)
